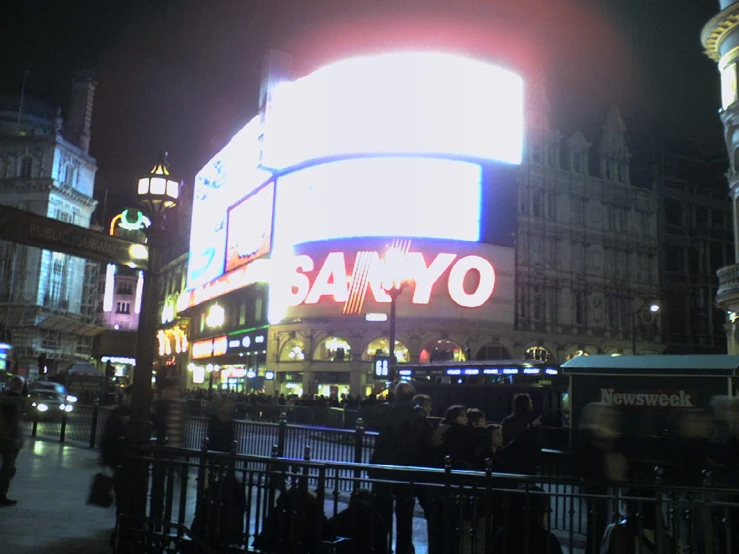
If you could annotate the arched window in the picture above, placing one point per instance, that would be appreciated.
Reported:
(575, 354)
(334, 349)
(539, 353)
(380, 347)
(442, 351)
(492, 352)
(293, 351)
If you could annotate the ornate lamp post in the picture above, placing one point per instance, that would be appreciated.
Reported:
(653, 307)
(157, 192)
(393, 283)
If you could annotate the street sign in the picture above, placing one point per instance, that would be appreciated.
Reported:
(35, 230)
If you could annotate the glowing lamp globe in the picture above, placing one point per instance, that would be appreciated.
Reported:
(158, 191)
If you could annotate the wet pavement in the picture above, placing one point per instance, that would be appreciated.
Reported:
(52, 516)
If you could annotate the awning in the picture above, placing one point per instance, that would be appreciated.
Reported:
(83, 368)
(63, 324)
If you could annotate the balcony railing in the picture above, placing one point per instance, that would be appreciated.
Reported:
(728, 282)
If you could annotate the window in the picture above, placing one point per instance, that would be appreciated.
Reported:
(56, 278)
(536, 153)
(125, 289)
(608, 258)
(577, 210)
(538, 304)
(69, 175)
(613, 312)
(579, 308)
(551, 206)
(551, 158)
(551, 254)
(25, 167)
(123, 308)
(242, 313)
(621, 220)
(536, 250)
(524, 302)
(258, 309)
(536, 202)
(621, 269)
(577, 162)
(522, 248)
(522, 198)
(552, 305)
(578, 257)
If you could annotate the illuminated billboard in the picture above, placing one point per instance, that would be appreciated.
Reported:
(250, 228)
(409, 103)
(229, 176)
(446, 279)
(379, 197)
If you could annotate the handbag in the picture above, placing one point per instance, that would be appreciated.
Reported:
(101, 491)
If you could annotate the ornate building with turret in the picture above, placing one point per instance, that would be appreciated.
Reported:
(587, 244)
(48, 299)
(720, 38)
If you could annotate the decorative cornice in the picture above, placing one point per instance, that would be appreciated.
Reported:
(47, 186)
(716, 30)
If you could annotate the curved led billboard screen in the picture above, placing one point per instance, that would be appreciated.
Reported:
(408, 103)
(379, 197)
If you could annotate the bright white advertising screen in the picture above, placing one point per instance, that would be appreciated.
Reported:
(379, 197)
(229, 176)
(250, 228)
(425, 103)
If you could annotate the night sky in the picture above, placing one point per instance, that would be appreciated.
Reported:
(183, 75)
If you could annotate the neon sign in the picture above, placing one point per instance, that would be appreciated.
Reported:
(309, 284)
(209, 347)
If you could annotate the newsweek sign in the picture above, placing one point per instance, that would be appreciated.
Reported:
(651, 399)
(443, 278)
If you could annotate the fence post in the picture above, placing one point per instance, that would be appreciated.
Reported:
(659, 480)
(358, 440)
(282, 435)
(63, 430)
(94, 428)
(306, 454)
(34, 427)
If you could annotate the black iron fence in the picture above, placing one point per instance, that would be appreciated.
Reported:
(201, 501)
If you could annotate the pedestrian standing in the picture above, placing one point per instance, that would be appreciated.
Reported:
(11, 434)
(403, 432)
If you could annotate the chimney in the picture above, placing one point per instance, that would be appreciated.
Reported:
(79, 117)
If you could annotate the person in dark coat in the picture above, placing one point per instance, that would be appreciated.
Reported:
(11, 434)
(523, 428)
(221, 426)
(361, 524)
(113, 448)
(525, 531)
(403, 432)
(453, 438)
(294, 526)
(600, 462)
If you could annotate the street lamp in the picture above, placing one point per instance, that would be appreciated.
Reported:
(653, 308)
(156, 192)
(393, 282)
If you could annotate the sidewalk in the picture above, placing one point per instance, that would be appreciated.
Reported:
(52, 516)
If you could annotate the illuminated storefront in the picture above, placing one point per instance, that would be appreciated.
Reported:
(302, 217)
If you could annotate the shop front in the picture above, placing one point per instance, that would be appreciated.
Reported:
(235, 362)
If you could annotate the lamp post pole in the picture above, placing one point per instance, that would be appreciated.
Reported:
(157, 192)
(633, 332)
(146, 340)
(394, 292)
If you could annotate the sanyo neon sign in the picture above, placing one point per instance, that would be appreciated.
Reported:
(332, 280)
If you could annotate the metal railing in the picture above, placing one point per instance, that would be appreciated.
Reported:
(203, 501)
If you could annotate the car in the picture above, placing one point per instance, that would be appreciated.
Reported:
(51, 386)
(47, 404)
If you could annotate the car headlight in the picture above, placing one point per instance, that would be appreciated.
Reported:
(68, 408)
(71, 398)
(61, 407)
(42, 408)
